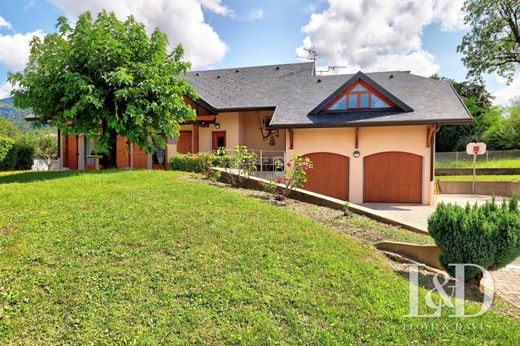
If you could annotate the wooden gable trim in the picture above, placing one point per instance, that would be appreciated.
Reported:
(430, 131)
(370, 91)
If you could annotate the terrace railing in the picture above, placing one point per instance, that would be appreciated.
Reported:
(265, 159)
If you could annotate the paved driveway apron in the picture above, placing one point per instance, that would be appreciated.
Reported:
(507, 280)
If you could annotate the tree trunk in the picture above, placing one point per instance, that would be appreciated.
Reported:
(109, 159)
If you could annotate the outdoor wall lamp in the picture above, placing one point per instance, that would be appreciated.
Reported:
(217, 126)
(356, 154)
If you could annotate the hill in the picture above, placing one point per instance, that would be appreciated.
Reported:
(10, 112)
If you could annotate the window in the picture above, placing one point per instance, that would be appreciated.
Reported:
(359, 97)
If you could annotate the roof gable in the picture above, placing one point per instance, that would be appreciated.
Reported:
(372, 86)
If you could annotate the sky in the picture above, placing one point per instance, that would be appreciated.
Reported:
(420, 36)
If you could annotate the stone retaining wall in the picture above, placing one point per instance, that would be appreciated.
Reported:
(489, 188)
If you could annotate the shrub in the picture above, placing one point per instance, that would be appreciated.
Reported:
(241, 165)
(295, 177)
(487, 235)
(185, 163)
(7, 154)
(24, 156)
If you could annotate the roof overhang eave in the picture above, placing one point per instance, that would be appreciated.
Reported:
(373, 124)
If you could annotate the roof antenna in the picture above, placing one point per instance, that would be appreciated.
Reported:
(312, 55)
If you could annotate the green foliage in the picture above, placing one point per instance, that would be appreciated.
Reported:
(168, 261)
(7, 154)
(487, 235)
(480, 104)
(185, 163)
(45, 145)
(240, 165)
(15, 155)
(505, 133)
(9, 130)
(493, 43)
(295, 177)
(109, 73)
(24, 156)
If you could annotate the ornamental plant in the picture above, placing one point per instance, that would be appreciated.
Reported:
(295, 177)
(239, 166)
(487, 235)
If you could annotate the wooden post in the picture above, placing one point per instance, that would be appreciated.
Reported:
(357, 138)
(291, 139)
(196, 138)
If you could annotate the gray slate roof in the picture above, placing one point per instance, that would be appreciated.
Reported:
(293, 92)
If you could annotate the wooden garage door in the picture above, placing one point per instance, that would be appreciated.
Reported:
(392, 177)
(329, 176)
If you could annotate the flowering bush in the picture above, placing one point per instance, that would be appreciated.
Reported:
(295, 177)
(241, 164)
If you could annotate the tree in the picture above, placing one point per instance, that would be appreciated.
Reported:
(103, 78)
(480, 104)
(9, 130)
(45, 145)
(493, 43)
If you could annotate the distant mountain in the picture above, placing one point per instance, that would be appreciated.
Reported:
(9, 112)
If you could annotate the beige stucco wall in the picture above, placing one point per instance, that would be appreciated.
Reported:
(242, 128)
(250, 123)
(410, 139)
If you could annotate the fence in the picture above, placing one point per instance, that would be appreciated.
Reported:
(498, 158)
(265, 159)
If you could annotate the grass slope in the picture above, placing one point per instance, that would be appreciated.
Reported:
(481, 163)
(512, 178)
(150, 258)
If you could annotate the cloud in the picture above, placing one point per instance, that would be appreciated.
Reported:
(29, 4)
(504, 95)
(216, 7)
(254, 14)
(4, 23)
(182, 20)
(5, 90)
(14, 49)
(375, 35)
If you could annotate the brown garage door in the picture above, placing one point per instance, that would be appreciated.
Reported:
(392, 177)
(329, 176)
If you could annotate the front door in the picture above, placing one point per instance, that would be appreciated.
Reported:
(71, 152)
(218, 140)
(90, 152)
(184, 143)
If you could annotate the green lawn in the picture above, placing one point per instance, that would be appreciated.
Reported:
(481, 163)
(513, 178)
(138, 257)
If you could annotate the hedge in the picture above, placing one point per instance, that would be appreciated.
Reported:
(487, 235)
(15, 155)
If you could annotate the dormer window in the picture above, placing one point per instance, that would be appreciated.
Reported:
(359, 96)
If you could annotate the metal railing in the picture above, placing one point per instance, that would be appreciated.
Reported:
(265, 159)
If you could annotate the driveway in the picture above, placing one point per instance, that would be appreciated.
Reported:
(507, 280)
(418, 214)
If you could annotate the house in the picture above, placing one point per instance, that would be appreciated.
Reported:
(371, 136)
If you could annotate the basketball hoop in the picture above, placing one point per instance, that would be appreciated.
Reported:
(475, 149)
